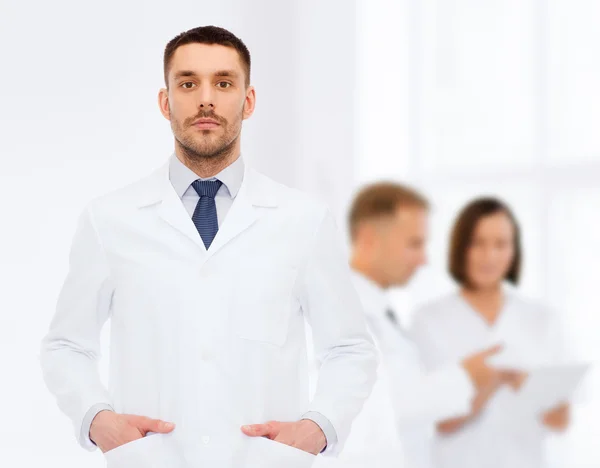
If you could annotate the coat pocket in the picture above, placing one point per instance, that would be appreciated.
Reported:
(261, 305)
(151, 451)
(265, 453)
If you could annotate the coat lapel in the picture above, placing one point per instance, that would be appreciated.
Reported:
(170, 207)
(172, 211)
(255, 192)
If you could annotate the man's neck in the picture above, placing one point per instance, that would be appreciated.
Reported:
(365, 269)
(208, 167)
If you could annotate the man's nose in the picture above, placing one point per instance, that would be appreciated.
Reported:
(206, 98)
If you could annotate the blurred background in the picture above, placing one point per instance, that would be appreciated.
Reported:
(458, 98)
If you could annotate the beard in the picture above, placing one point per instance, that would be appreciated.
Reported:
(204, 144)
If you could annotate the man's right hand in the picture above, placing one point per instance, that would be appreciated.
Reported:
(482, 375)
(486, 380)
(110, 430)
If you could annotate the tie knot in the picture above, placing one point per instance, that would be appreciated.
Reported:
(207, 188)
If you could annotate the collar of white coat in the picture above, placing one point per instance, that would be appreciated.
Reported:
(374, 298)
(258, 189)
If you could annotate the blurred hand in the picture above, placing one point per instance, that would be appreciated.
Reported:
(110, 430)
(496, 380)
(487, 380)
(493, 381)
(304, 435)
(557, 418)
(514, 379)
(482, 375)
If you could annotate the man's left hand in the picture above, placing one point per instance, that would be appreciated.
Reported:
(557, 418)
(304, 434)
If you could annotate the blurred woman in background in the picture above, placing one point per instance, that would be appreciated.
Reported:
(485, 259)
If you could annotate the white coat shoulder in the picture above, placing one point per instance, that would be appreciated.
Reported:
(530, 307)
(534, 315)
(143, 191)
(432, 322)
(288, 198)
(436, 306)
(439, 311)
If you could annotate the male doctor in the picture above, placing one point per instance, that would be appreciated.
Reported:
(388, 230)
(207, 271)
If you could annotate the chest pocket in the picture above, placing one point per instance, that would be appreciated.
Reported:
(261, 304)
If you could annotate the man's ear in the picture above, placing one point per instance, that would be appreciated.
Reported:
(163, 103)
(249, 103)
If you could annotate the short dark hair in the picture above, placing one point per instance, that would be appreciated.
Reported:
(207, 35)
(462, 236)
(382, 199)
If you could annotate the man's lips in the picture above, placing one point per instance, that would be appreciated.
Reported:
(205, 124)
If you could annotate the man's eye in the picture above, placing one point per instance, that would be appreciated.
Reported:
(223, 84)
(188, 85)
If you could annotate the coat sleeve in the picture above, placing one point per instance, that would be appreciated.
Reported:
(431, 396)
(420, 395)
(343, 346)
(70, 350)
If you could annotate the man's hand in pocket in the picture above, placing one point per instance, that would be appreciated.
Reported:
(110, 430)
(304, 434)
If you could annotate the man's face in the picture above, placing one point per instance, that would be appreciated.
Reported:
(401, 244)
(207, 99)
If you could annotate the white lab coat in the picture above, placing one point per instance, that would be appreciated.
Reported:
(395, 427)
(449, 329)
(209, 340)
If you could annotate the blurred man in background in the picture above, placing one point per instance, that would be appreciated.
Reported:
(388, 229)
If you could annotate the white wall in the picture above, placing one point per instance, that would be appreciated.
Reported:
(79, 117)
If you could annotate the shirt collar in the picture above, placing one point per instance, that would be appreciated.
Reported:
(181, 176)
(374, 298)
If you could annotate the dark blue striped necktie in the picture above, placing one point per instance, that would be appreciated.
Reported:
(205, 215)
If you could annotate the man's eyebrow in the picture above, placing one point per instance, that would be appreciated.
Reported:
(229, 73)
(219, 73)
(183, 73)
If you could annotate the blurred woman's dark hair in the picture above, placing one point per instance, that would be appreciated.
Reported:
(462, 236)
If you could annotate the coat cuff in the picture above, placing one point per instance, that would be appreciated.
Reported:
(326, 427)
(84, 437)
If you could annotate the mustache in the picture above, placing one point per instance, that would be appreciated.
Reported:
(205, 114)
